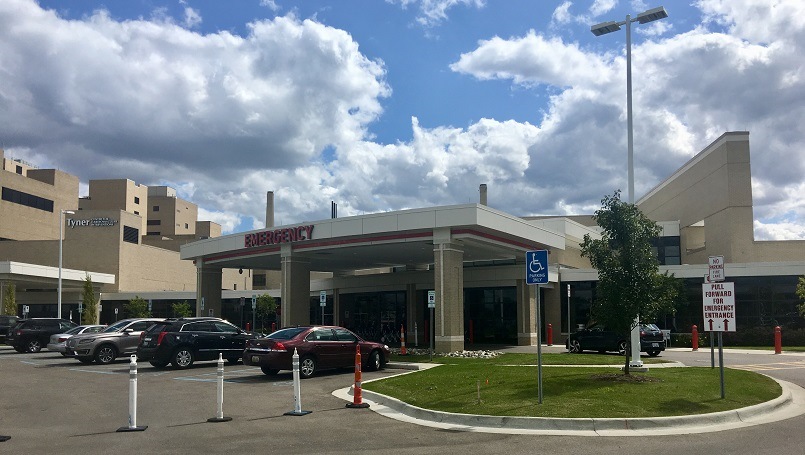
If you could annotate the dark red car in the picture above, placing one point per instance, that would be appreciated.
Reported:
(319, 348)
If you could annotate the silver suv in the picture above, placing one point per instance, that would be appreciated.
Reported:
(120, 338)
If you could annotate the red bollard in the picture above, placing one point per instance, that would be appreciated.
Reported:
(248, 326)
(550, 334)
(273, 326)
(472, 333)
(778, 340)
(357, 394)
(694, 338)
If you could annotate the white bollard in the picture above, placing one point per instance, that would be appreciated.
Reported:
(219, 416)
(132, 398)
(297, 389)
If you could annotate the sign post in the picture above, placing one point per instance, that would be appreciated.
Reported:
(432, 307)
(322, 304)
(536, 272)
(254, 312)
(718, 303)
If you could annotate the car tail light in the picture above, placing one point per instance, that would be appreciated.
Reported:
(142, 335)
(279, 346)
(63, 339)
(161, 337)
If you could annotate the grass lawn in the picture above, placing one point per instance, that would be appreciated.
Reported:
(510, 388)
(528, 359)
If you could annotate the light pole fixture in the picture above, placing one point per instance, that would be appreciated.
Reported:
(61, 240)
(612, 26)
(602, 29)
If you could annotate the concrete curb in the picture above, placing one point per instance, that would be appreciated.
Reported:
(789, 404)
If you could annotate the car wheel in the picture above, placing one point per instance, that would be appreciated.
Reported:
(575, 347)
(65, 354)
(233, 360)
(269, 371)
(623, 347)
(375, 361)
(653, 353)
(84, 359)
(156, 364)
(105, 354)
(33, 346)
(307, 366)
(182, 358)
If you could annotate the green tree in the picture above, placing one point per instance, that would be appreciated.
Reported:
(801, 294)
(266, 310)
(89, 304)
(9, 300)
(136, 308)
(181, 309)
(629, 282)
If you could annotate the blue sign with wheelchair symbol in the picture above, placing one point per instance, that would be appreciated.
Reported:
(536, 267)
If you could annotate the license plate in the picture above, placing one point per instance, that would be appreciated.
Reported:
(255, 359)
(655, 345)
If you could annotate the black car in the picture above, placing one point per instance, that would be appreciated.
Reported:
(31, 335)
(183, 341)
(6, 323)
(598, 338)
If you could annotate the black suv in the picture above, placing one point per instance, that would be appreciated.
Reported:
(32, 334)
(183, 341)
(6, 323)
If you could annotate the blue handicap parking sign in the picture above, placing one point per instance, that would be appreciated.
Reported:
(536, 267)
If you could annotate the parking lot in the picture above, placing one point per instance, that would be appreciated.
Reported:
(49, 402)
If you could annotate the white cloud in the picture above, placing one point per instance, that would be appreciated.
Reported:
(600, 7)
(270, 4)
(192, 18)
(433, 12)
(561, 15)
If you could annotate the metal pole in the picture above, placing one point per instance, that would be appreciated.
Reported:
(712, 352)
(539, 349)
(568, 318)
(430, 338)
(721, 361)
(629, 136)
(61, 235)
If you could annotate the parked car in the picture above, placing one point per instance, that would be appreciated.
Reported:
(58, 342)
(6, 323)
(183, 341)
(598, 338)
(120, 338)
(319, 348)
(30, 335)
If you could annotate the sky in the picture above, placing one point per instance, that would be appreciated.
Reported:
(382, 105)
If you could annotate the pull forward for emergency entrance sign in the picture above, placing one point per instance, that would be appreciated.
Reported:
(719, 306)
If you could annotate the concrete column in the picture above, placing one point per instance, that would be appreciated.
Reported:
(295, 288)
(526, 314)
(336, 307)
(208, 287)
(449, 278)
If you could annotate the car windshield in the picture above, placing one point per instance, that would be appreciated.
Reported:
(652, 327)
(287, 334)
(116, 327)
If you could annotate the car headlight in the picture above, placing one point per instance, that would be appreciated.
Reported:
(386, 347)
(86, 340)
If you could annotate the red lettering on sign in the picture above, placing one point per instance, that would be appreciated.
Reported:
(284, 235)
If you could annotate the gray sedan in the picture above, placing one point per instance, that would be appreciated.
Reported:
(58, 342)
(120, 338)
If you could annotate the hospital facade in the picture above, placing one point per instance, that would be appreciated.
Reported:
(373, 273)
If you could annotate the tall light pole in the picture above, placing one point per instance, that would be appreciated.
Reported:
(61, 240)
(602, 29)
(609, 27)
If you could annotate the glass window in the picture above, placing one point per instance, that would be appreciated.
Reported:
(287, 334)
(226, 328)
(345, 335)
(203, 326)
(136, 200)
(156, 208)
(138, 326)
(321, 335)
